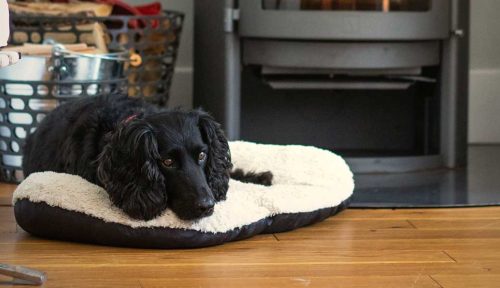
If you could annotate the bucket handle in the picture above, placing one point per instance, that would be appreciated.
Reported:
(59, 50)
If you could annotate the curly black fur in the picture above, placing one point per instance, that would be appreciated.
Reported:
(261, 178)
(96, 139)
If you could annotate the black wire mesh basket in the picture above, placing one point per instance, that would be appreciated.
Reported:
(24, 104)
(154, 38)
(25, 101)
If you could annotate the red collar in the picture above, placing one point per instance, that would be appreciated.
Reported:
(130, 118)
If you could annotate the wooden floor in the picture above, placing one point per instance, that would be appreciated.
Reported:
(358, 248)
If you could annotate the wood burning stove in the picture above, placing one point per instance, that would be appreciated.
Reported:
(382, 82)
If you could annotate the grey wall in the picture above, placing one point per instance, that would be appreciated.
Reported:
(484, 102)
(182, 88)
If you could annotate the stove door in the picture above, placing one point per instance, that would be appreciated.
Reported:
(345, 19)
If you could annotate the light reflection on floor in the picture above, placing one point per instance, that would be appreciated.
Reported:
(476, 185)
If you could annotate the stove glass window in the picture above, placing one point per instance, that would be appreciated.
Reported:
(349, 5)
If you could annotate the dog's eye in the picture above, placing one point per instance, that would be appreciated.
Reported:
(202, 157)
(169, 163)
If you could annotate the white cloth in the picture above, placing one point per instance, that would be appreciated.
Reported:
(4, 23)
(8, 58)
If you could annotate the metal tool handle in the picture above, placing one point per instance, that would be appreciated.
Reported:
(19, 272)
(60, 49)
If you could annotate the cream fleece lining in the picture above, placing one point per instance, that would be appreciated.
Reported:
(305, 179)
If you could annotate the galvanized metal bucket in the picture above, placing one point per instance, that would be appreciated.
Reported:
(37, 84)
(65, 65)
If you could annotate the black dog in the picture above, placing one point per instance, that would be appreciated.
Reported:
(147, 158)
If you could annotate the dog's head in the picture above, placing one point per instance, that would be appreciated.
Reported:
(179, 160)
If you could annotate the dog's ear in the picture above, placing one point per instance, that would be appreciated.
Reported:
(128, 170)
(218, 163)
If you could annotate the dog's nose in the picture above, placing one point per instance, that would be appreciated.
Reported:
(206, 207)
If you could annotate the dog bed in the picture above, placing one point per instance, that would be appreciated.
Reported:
(309, 185)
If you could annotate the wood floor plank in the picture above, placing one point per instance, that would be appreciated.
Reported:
(6, 191)
(7, 220)
(255, 255)
(24, 239)
(345, 282)
(379, 234)
(456, 224)
(364, 224)
(395, 214)
(152, 271)
(418, 281)
(467, 281)
(475, 255)
(70, 282)
(394, 244)
(20, 238)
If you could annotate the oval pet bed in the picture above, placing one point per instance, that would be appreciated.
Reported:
(309, 185)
